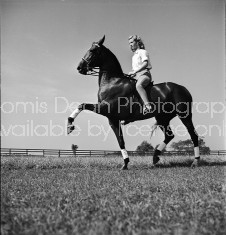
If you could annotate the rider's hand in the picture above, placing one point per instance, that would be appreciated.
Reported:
(132, 73)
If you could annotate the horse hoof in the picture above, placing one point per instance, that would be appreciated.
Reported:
(156, 156)
(195, 163)
(70, 128)
(126, 161)
(124, 168)
(156, 159)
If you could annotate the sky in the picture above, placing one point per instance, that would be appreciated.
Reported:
(42, 42)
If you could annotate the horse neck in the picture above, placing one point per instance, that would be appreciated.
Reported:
(110, 67)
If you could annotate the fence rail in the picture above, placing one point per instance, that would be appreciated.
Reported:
(91, 153)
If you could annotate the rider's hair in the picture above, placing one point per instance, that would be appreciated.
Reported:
(138, 40)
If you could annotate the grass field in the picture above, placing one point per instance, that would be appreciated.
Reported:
(92, 196)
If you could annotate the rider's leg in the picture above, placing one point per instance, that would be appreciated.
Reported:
(142, 82)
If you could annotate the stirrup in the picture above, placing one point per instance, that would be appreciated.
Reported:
(147, 109)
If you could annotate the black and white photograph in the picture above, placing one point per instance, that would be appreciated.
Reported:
(113, 117)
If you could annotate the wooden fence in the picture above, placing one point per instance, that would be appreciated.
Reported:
(91, 153)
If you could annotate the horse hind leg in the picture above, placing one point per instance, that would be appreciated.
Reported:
(153, 128)
(168, 137)
(187, 121)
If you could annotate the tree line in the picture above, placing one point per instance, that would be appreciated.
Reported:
(181, 145)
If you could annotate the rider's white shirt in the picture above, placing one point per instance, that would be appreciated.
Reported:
(140, 55)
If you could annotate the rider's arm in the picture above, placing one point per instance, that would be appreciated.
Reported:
(144, 57)
(142, 67)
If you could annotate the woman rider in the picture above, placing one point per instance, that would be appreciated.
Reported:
(141, 66)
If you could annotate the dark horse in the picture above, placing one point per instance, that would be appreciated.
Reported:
(118, 100)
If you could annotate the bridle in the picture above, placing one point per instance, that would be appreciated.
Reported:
(91, 70)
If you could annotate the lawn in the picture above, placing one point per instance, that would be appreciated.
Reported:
(92, 196)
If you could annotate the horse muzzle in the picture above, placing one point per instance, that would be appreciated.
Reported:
(82, 70)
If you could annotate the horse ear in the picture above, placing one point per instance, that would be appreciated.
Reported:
(101, 41)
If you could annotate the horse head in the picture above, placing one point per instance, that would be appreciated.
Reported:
(92, 58)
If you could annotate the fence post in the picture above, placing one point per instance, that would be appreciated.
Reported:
(43, 152)
(27, 152)
(59, 153)
(90, 153)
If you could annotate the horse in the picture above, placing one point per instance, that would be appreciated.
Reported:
(119, 101)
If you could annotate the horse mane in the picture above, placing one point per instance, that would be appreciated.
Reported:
(113, 59)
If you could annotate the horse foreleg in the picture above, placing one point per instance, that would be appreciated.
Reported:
(116, 127)
(97, 108)
(71, 118)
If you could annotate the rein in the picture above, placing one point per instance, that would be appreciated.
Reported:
(90, 70)
(93, 72)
